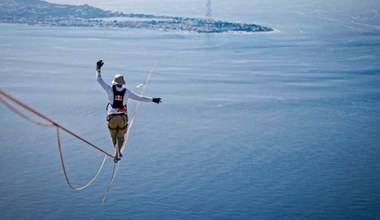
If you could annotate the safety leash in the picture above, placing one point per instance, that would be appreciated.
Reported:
(52, 123)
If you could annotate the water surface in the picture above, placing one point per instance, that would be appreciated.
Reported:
(263, 126)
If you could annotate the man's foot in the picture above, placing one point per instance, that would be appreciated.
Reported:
(120, 154)
(116, 159)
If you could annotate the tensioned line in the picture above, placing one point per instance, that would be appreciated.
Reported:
(6, 99)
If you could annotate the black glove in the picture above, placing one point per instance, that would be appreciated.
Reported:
(156, 100)
(99, 64)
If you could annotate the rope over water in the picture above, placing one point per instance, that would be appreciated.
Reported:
(6, 99)
(52, 123)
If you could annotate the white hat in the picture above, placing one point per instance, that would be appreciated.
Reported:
(118, 80)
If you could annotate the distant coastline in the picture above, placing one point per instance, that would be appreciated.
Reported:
(37, 12)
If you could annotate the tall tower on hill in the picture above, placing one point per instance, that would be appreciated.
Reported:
(208, 10)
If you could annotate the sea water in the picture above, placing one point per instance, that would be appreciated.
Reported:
(265, 126)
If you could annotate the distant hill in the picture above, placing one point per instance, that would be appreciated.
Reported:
(37, 9)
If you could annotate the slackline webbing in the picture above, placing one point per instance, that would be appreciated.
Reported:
(6, 98)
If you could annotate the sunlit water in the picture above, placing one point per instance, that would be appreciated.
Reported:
(267, 126)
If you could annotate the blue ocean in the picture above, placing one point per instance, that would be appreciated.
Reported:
(282, 125)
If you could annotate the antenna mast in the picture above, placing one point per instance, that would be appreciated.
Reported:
(208, 10)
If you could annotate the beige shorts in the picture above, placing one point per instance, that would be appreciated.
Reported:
(117, 121)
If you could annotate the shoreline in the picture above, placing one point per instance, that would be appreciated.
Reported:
(98, 25)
